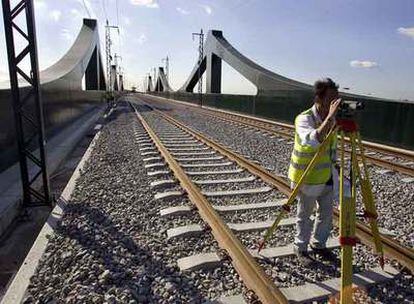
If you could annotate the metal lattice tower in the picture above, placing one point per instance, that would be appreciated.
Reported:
(200, 61)
(108, 56)
(108, 43)
(27, 104)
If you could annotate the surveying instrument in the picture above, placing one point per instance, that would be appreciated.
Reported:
(345, 127)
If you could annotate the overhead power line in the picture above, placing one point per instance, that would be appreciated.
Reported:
(240, 4)
(117, 13)
(104, 9)
(86, 8)
(118, 9)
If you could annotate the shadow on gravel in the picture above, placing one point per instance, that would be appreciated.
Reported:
(399, 290)
(145, 108)
(121, 108)
(139, 107)
(127, 265)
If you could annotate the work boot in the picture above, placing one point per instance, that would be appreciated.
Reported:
(324, 253)
(304, 259)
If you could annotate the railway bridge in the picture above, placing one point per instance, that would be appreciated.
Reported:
(152, 198)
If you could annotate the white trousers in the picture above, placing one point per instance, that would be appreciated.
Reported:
(308, 197)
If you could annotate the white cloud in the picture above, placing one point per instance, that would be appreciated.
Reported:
(66, 34)
(55, 15)
(142, 39)
(207, 9)
(182, 11)
(146, 3)
(363, 64)
(406, 31)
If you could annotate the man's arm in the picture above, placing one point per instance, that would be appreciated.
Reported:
(306, 130)
(327, 124)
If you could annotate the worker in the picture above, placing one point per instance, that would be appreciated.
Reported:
(311, 128)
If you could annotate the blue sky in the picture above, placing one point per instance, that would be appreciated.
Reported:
(366, 45)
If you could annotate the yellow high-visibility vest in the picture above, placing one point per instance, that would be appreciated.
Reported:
(302, 154)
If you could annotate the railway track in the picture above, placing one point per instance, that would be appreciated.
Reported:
(221, 185)
(391, 158)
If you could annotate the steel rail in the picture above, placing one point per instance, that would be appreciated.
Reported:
(392, 248)
(390, 165)
(250, 272)
(389, 150)
(397, 152)
(266, 126)
(372, 159)
(286, 134)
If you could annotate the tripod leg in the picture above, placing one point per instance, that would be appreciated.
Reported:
(368, 199)
(346, 227)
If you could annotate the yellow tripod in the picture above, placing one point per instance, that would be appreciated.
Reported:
(347, 219)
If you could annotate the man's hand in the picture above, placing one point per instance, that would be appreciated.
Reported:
(333, 108)
(329, 120)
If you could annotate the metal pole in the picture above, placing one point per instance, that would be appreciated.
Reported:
(27, 105)
(200, 62)
(108, 56)
(201, 51)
